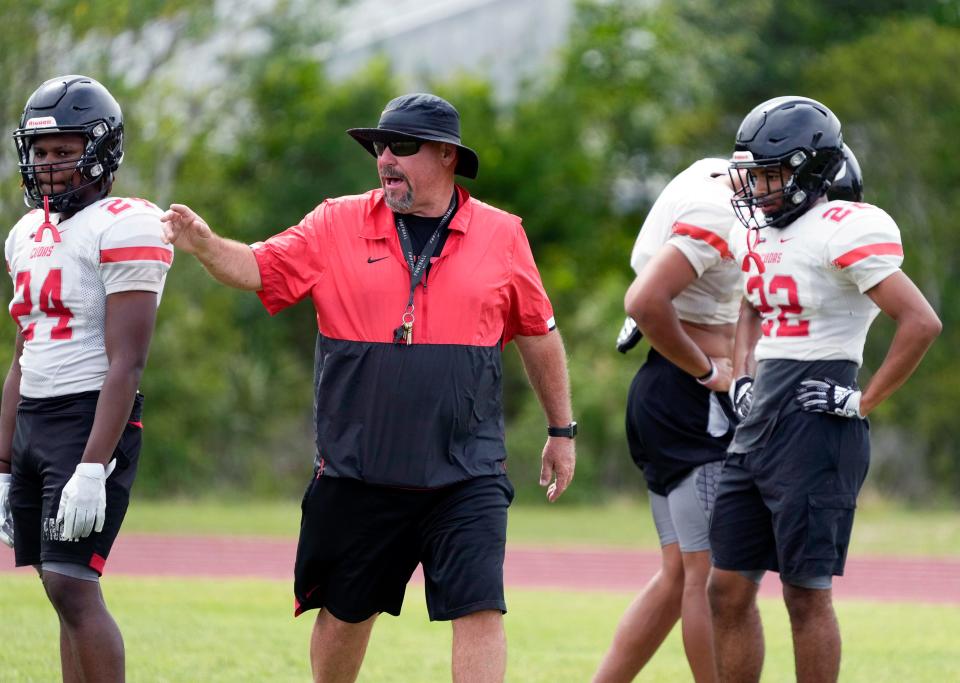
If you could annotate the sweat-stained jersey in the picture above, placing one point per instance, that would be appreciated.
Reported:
(816, 270)
(694, 214)
(62, 274)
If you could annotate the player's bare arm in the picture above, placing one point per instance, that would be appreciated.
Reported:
(130, 319)
(649, 301)
(545, 362)
(229, 261)
(917, 327)
(748, 334)
(8, 408)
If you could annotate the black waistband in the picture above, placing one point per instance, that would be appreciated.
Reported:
(82, 402)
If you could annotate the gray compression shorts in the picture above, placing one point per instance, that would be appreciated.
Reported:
(684, 514)
(820, 583)
(71, 569)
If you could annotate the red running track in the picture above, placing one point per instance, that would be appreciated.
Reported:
(928, 580)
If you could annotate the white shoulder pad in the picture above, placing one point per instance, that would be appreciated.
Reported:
(133, 255)
(865, 242)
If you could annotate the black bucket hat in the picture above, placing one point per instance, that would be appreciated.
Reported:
(420, 116)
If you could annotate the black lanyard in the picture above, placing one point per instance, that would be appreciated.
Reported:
(417, 266)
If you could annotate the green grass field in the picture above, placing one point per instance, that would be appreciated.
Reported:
(880, 528)
(208, 631)
(232, 630)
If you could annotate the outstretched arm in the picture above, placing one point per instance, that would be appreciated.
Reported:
(545, 361)
(229, 261)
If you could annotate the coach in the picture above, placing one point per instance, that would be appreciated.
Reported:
(417, 287)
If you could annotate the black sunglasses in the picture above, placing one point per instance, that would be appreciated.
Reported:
(399, 148)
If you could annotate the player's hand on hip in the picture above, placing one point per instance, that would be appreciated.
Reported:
(741, 395)
(83, 503)
(184, 229)
(722, 376)
(829, 396)
(6, 514)
(557, 465)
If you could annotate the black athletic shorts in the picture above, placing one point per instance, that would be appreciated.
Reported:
(360, 543)
(788, 507)
(674, 423)
(50, 436)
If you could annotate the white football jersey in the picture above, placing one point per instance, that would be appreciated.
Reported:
(62, 273)
(694, 214)
(816, 270)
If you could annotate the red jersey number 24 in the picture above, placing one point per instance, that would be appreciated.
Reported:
(50, 303)
(781, 286)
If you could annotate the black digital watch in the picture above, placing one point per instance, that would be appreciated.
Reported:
(569, 431)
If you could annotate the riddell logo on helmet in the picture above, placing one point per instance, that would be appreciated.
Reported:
(42, 122)
(742, 155)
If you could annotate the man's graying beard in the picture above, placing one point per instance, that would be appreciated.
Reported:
(401, 204)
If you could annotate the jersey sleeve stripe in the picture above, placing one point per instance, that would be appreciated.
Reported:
(120, 254)
(699, 233)
(860, 253)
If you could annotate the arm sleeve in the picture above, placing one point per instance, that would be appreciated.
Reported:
(133, 256)
(867, 249)
(530, 312)
(291, 262)
(701, 232)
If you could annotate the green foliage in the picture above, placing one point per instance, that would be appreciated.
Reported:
(644, 89)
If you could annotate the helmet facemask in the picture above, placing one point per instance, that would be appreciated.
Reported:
(70, 105)
(803, 179)
(102, 155)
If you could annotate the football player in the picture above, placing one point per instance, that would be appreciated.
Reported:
(88, 270)
(818, 273)
(847, 185)
(685, 300)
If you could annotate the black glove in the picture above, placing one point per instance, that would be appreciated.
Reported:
(829, 396)
(741, 395)
(630, 335)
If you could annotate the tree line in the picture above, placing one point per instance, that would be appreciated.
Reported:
(642, 90)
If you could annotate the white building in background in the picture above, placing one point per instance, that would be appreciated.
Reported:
(503, 40)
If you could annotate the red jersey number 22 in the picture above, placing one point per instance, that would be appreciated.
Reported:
(50, 303)
(781, 326)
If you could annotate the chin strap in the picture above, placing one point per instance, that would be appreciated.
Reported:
(752, 256)
(47, 225)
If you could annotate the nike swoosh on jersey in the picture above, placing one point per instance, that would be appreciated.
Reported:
(786, 239)
(374, 260)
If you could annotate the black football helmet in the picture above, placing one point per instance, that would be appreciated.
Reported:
(800, 139)
(78, 105)
(848, 183)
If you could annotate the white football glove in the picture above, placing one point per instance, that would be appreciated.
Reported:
(83, 503)
(741, 395)
(6, 515)
(829, 396)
